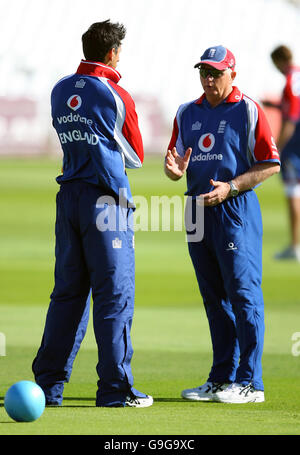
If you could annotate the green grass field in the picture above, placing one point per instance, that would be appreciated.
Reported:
(170, 331)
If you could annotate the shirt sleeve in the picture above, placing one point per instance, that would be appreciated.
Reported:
(261, 143)
(290, 103)
(176, 138)
(127, 133)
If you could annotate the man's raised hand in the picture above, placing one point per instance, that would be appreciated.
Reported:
(176, 165)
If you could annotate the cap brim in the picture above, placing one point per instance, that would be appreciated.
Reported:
(217, 65)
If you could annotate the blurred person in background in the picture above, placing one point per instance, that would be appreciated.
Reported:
(288, 144)
(224, 145)
(97, 125)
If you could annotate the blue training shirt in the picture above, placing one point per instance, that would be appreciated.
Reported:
(226, 140)
(97, 126)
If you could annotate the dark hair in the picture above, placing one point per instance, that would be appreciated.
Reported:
(100, 38)
(282, 53)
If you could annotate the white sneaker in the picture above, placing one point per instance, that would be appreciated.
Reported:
(292, 252)
(205, 392)
(238, 393)
(138, 402)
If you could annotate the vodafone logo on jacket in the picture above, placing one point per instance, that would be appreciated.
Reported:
(206, 142)
(74, 102)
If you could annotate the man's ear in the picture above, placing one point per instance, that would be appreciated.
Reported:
(233, 75)
(108, 57)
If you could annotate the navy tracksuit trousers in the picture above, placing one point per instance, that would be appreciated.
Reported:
(89, 262)
(228, 266)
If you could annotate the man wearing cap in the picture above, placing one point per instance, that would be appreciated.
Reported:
(223, 143)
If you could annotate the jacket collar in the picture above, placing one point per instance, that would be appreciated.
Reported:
(234, 97)
(98, 69)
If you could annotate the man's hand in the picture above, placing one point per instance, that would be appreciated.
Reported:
(176, 165)
(254, 176)
(220, 192)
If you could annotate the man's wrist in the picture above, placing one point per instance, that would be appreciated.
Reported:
(234, 191)
(171, 175)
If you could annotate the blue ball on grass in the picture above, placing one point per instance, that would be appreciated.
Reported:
(24, 401)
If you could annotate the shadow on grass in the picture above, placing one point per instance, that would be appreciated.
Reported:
(158, 400)
(66, 399)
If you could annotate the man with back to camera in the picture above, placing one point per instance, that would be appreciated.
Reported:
(289, 144)
(97, 126)
(223, 143)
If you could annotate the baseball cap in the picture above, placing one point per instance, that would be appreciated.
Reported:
(218, 57)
